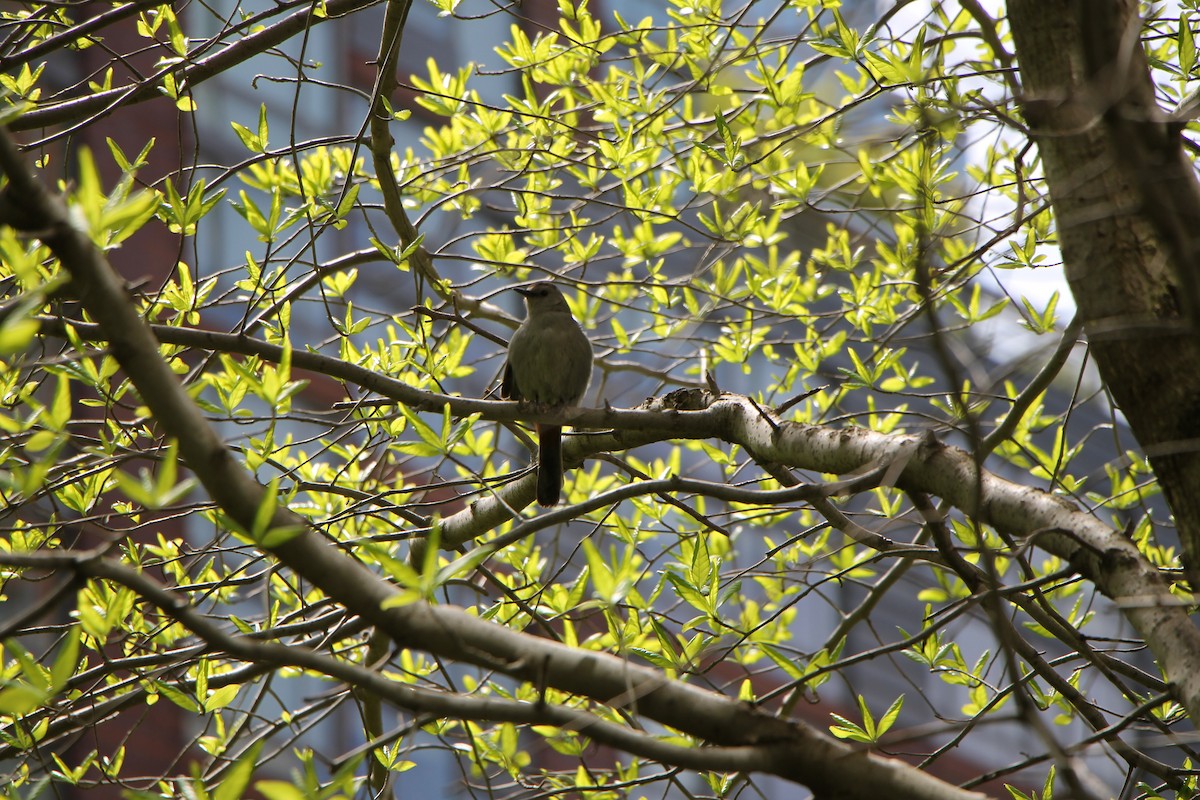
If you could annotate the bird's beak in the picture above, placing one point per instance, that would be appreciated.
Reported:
(521, 290)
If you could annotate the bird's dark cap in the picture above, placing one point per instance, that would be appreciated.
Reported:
(538, 289)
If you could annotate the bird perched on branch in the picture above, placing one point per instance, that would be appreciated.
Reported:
(549, 364)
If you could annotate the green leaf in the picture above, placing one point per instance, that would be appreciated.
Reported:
(845, 729)
(265, 511)
(18, 699)
(280, 790)
(237, 778)
(16, 334)
(1187, 45)
(889, 716)
(186, 702)
(1040, 321)
(66, 661)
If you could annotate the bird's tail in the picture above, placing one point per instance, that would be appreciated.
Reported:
(550, 469)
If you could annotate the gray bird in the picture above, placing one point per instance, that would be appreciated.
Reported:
(549, 364)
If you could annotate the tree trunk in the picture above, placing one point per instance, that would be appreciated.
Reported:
(1125, 200)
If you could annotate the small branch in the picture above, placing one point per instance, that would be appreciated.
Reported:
(987, 30)
(81, 29)
(1039, 384)
(382, 141)
(871, 539)
(93, 107)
